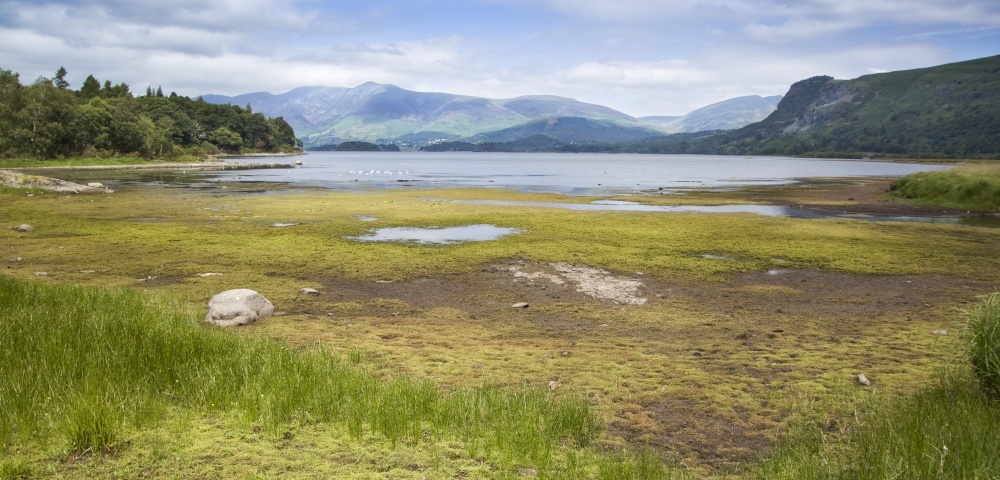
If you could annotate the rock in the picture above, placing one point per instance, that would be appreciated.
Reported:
(940, 332)
(238, 307)
(24, 227)
(96, 185)
(207, 274)
(565, 353)
(863, 380)
(520, 305)
(308, 291)
(42, 274)
(554, 385)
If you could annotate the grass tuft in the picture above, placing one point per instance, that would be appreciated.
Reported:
(974, 188)
(984, 344)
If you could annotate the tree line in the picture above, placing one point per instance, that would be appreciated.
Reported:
(47, 119)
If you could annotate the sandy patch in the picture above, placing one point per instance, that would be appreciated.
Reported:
(593, 282)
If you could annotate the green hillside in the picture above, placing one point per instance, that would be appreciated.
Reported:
(946, 111)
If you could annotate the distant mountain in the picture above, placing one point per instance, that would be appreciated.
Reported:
(950, 110)
(382, 114)
(570, 130)
(725, 115)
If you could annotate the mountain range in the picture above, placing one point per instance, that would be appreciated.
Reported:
(386, 113)
(950, 110)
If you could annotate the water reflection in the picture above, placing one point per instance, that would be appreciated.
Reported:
(437, 235)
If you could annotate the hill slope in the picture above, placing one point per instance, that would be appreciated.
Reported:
(949, 110)
(569, 130)
(725, 115)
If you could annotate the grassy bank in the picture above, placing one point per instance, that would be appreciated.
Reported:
(90, 371)
(745, 314)
(974, 188)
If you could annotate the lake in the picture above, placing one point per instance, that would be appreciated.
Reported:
(572, 173)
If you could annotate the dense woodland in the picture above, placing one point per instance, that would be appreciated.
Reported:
(48, 119)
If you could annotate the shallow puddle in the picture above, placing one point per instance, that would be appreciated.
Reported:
(438, 236)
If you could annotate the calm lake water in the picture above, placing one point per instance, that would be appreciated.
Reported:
(573, 174)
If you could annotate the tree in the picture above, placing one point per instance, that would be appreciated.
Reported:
(226, 139)
(11, 104)
(60, 80)
(90, 88)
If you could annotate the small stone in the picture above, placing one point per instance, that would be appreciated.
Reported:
(24, 227)
(565, 353)
(554, 385)
(42, 274)
(308, 291)
(95, 185)
(863, 380)
(207, 274)
(940, 332)
(520, 305)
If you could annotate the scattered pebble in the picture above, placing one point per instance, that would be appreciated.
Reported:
(863, 380)
(24, 227)
(42, 274)
(208, 274)
(308, 291)
(520, 305)
(940, 332)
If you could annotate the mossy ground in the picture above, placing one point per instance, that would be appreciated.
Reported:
(749, 319)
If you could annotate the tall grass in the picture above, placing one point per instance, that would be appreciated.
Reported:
(975, 188)
(984, 344)
(947, 430)
(81, 363)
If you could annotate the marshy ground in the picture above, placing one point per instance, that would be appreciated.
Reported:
(747, 321)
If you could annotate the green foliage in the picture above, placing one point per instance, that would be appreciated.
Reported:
(47, 120)
(975, 188)
(984, 344)
(86, 363)
(357, 147)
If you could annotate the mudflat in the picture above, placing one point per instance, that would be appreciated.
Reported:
(745, 323)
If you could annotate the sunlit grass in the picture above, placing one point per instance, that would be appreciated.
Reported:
(948, 429)
(974, 187)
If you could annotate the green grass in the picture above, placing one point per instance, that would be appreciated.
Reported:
(973, 188)
(87, 365)
(984, 344)
(946, 430)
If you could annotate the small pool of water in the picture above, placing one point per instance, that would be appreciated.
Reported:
(437, 236)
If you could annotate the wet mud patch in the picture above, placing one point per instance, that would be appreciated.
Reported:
(718, 440)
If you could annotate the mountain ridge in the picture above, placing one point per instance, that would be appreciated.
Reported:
(383, 113)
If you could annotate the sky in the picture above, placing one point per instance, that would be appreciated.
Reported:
(642, 57)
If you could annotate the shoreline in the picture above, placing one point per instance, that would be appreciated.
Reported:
(209, 165)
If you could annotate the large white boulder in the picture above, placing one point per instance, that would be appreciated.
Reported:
(238, 307)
